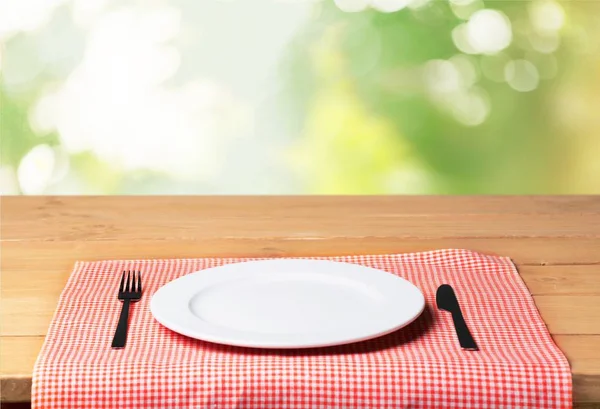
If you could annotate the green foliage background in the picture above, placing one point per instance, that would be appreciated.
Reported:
(358, 118)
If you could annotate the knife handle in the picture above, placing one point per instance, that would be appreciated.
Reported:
(462, 331)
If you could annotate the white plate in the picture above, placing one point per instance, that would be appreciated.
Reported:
(287, 303)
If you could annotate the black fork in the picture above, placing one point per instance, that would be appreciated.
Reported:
(130, 291)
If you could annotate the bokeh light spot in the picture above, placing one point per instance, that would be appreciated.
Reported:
(546, 15)
(442, 77)
(24, 15)
(390, 6)
(36, 169)
(352, 6)
(544, 42)
(465, 9)
(472, 108)
(489, 31)
(522, 75)
(461, 40)
(8, 181)
(462, 2)
(466, 66)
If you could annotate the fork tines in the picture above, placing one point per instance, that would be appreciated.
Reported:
(130, 291)
(133, 282)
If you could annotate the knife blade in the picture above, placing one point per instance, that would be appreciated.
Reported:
(446, 300)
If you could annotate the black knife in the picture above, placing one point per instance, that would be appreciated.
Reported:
(446, 300)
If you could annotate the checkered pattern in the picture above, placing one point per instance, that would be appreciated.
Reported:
(418, 367)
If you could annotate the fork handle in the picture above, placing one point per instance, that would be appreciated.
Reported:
(120, 337)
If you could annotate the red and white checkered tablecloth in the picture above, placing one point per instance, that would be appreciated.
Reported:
(420, 367)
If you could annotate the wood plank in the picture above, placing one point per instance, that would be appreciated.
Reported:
(167, 218)
(562, 280)
(523, 251)
(570, 314)
(582, 353)
(46, 265)
(18, 356)
(21, 206)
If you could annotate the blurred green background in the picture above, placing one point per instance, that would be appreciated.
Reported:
(300, 97)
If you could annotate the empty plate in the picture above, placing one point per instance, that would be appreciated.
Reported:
(287, 303)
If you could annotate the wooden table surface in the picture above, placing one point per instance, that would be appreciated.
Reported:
(555, 242)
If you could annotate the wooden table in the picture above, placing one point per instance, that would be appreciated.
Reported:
(555, 242)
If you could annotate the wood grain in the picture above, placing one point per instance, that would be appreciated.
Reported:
(168, 218)
(18, 355)
(523, 251)
(570, 314)
(554, 241)
(583, 356)
(562, 279)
